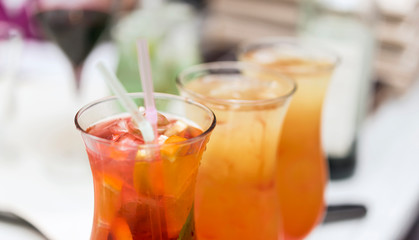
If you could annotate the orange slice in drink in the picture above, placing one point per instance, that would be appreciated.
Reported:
(148, 177)
(149, 171)
(113, 183)
(141, 178)
(109, 197)
(175, 139)
(171, 151)
(120, 230)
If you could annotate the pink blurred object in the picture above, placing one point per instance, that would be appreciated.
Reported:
(98, 5)
(18, 18)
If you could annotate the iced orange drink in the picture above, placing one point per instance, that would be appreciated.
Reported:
(236, 195)
(144, 191)
(302, 172)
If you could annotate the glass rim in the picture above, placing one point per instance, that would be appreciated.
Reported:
(294, 43)
(238, 66)
(204, 133)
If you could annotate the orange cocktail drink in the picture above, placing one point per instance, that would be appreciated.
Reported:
(302, 172)
(236, 194)
(144, 191)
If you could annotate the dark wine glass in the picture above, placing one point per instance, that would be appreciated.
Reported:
(75, 26)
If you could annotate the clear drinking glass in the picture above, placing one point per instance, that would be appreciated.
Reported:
(144, 191)
(349, 28)
(236, 195)
(302, 172)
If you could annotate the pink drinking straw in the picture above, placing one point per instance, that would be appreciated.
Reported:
(147, 83)
(151, 116)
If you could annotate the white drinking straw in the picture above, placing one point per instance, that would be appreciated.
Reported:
(147, 83)
(129, 105)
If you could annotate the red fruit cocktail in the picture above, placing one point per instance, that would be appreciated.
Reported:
(144, 191)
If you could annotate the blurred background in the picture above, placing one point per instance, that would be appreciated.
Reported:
(49, 49)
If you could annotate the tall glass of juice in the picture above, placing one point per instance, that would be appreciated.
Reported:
(144, 191)
(236, 195)
(301, 170)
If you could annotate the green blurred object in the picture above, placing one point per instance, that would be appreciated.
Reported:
(171, 30)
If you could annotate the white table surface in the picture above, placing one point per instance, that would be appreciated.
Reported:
(45, 176)
(44, 171)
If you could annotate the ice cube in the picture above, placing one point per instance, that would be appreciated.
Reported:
(109, 130)
(134, 131)
(141, 109)
(190, 132)
(162, 123)
(162, 139)
(162, 120)
(130, 139)
(118, 127)
(175, 128)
